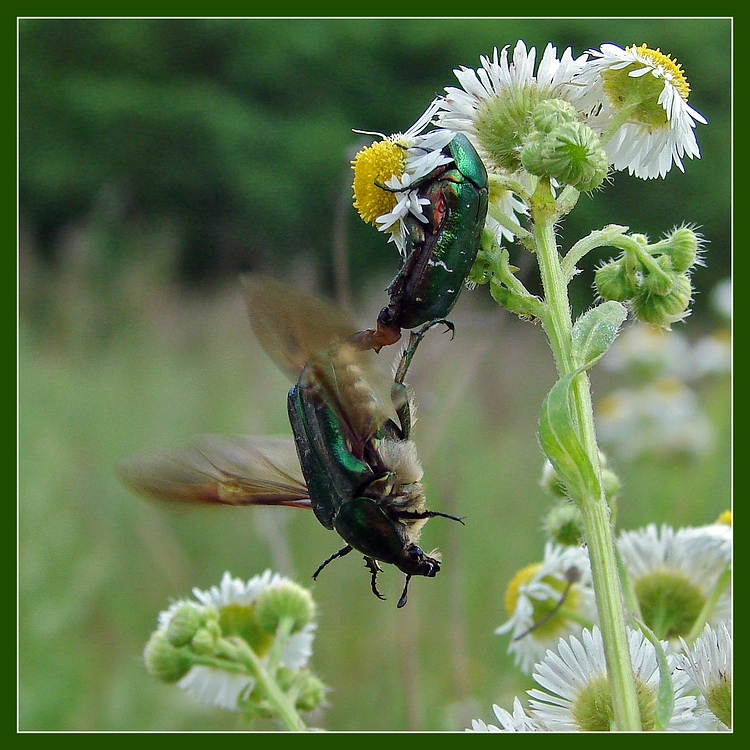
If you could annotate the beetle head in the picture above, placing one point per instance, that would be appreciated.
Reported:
(415, 562)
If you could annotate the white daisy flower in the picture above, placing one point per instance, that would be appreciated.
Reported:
(713, 539)
(638, 99)
(387, 175)
(664, 417)
(576, 696)
(221, 688)
(493, 108)
(546, 601)
(674, 573)
(709, 665)
(518, 721)
(497, 86)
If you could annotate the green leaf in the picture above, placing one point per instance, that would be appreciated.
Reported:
(594, 332)
(561, 444)
(665, 694)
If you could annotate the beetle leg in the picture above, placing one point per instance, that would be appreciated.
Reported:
(372, 564)
(343, 551)
(402, 599)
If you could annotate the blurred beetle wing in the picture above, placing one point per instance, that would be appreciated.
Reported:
(292, 326)
(221, 470)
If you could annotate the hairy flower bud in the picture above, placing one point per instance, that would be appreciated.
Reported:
(287, 600)
(184, 624)
(163, 660)
(683, 249)
(571, 153)
(663, 310)
(613, 282)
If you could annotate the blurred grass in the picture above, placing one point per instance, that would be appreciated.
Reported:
(112, 366)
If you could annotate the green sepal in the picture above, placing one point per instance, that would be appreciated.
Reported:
(595, 331)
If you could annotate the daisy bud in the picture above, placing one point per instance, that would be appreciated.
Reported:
(571, 153)
(610, 482)
(613, 282)
(286, 600)
(551, 482)
(660, 281)
(164, 661)
(683, 249)
(184, 624)
(663, 310)
(564, 525)
(311, 691)
(551, 113)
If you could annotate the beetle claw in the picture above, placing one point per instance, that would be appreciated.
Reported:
(372, 565)
(402, 599)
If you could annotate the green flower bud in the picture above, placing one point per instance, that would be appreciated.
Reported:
(204, 642)
(571, 153)
(663, 310)
(611, 483)
(164, 661)
(660, 281)
(287, 600)
(551, 482)
(564, 524)
(184, 625)
(551, 113)
(613, 282)
(683, 250)
(311, 691)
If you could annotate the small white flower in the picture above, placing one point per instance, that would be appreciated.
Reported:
(674, 573)
(398, 162)
(518, 721)
(709, 665)
(652, 122)
(575, 694)
(217, 687)
(664, 417)
(537, 589)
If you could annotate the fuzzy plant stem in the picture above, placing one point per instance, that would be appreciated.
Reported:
(558, 326)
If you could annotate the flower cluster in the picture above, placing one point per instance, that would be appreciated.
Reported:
(569, 119)
(241, 646)
(654, 278)
(678, 585)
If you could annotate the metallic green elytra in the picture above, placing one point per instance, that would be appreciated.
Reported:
(353, 465)
(441, 251)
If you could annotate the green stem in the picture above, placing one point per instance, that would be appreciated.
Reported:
(558, 326)
(702, 618)
(279, 701)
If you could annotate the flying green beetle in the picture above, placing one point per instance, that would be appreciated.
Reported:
(354, 466)
(439, 252)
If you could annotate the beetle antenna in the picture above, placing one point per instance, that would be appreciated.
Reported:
(374, 568)
(343, 551)
(417, 515)
(402, 600)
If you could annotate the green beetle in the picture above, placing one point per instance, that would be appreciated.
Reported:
(439, 252)
(355, 467)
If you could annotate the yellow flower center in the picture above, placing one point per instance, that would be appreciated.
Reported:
(725, 517)
(521, 578)
(376, 164)
(667, 64)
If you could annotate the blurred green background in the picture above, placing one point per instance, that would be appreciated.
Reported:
(160, 158)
